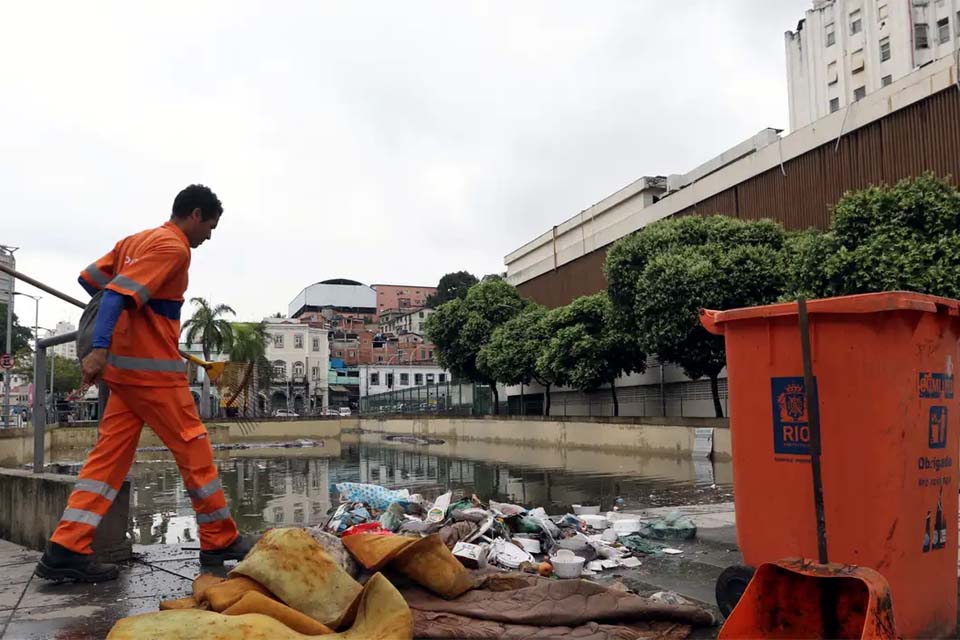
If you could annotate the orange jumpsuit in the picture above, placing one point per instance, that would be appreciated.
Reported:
(148, 384)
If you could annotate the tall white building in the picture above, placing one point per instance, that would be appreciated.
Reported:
(69, 349)
(844, 49)
(300, 355)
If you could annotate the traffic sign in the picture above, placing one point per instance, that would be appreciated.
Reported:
(6, 361)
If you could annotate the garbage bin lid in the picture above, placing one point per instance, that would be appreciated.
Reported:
(862, 303)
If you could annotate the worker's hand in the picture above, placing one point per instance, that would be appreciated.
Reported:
(93, 365)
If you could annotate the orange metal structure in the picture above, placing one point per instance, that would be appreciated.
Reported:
(884, 372)
(787, 600)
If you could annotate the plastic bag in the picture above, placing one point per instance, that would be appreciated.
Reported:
(374, 495)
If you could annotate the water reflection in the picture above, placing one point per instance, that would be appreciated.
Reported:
(283, 490)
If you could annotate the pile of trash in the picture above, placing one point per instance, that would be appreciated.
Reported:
(389, 565)
(510, 536)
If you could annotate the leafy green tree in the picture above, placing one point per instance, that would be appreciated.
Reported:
(208, 327)
(248, 348)
(664, 274)
(20, 336)
(904, 237)
(66, 371)
(451, 286)
(589, 346)
(513, 350)
(461, 328)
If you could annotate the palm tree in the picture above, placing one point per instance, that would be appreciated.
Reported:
(249, 345)
(208, 328)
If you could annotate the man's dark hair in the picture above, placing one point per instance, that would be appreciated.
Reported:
(197, 196)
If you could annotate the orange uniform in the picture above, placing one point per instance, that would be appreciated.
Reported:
(148, 384)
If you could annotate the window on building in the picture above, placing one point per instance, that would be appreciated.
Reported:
(883, 12)
(886, 80)
(418, 379)
(443, 378)
(834, 104)
(885, 49)
(404, 379)
(278, 341)
(857, 62)
(856, 22)
(374, 379)
(298, 369)
(353, 353)
(430, 378)
(832, 76)
(390, 381)
(830, 33)
(379, 358)
(280, 370)
(430, 354)
(421, 314)
(859, 93)
(315, 372)
(298, 341)
(943, 30)
(423, 354)
(316, 344)
(921, 35)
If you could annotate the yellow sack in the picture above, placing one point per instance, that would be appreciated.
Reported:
(297, 570)
(382, 614)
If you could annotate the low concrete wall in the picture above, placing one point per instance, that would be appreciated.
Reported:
(16, 446)
(661, 439)
(64, 437)
(280, 430)
(31, 505)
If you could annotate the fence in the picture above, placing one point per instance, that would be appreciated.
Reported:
(680, 399)
(447, 398)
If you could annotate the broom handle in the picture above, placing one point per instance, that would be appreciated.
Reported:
(200, 362)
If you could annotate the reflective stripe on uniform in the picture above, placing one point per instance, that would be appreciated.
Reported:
(147, 364)
(206, 490)
(94, 273)
(95, 486)
(132, 285)
(213, 516)
(81, 516)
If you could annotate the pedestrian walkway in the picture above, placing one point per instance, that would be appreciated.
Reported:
(31, 608)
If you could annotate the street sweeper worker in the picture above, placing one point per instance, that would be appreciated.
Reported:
(135, 340)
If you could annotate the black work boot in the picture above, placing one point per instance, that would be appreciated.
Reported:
(237, 550)
(59, 563)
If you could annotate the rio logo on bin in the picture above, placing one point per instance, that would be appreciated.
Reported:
(791, 421)
(936, 385)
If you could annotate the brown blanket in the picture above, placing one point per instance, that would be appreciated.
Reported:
(527, 607)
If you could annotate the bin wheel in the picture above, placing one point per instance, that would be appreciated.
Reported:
(730, 587)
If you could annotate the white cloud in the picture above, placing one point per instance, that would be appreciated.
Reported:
(379, 141)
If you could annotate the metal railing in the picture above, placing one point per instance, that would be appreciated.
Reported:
(39, 417)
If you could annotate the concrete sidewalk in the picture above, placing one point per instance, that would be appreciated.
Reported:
(31, 608)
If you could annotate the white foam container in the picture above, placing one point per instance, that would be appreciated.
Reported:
(626, 526)
(581, 509)
(595, 521)
(566, 564)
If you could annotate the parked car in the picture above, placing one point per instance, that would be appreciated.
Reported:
(331, 411)
(283, 413)
(345, 411)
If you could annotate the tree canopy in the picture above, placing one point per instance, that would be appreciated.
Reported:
(20, 335)
(451, 286)
(461, 328)
(664, 274)
(589, 346)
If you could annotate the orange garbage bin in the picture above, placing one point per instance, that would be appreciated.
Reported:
(883, 367)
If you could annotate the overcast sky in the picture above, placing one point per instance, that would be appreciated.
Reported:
(389, 142)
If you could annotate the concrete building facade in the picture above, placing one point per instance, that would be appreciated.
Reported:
(67, 350)
(381, 378)
(843, 50)
(402, 322)
(401, 297)
(300, 357)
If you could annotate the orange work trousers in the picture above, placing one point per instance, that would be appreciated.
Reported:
(171, 414)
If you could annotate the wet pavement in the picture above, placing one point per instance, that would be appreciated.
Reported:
(31, 608)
